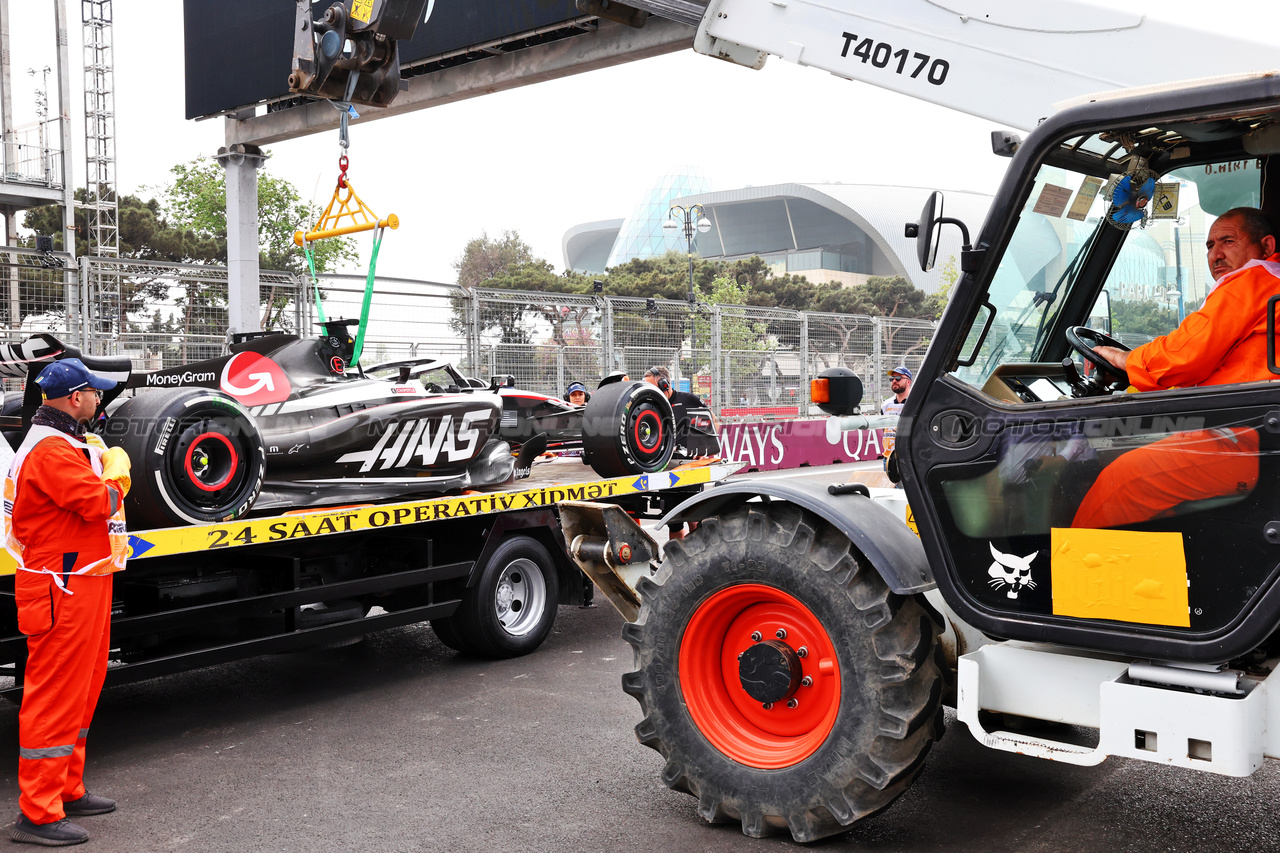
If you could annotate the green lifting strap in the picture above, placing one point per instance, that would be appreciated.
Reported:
(368, 297)
(315, 280)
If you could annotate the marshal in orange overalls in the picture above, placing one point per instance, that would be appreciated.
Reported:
(1222, 343)
(67, 529)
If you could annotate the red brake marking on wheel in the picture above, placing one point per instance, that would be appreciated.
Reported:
(719, 630)
(254, 380)
(644, 416)
(231, 470)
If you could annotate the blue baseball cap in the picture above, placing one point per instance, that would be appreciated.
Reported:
(576, 386)
(69, 374)
(901, 370)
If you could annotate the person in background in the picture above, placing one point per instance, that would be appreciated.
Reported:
(900, 385)
(577, 394)
(681, 403)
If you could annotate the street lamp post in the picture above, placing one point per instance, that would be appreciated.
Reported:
(694, 221)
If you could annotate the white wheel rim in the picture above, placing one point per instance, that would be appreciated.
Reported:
(520, 597)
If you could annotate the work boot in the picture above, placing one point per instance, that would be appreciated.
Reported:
(88, 804)
(60, 833)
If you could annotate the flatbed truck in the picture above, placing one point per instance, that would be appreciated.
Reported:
(486, 569)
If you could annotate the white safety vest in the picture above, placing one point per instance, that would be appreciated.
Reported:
(116, 531)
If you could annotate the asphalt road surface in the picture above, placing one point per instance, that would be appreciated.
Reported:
(398, 744)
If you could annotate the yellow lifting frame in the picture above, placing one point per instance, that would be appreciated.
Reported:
(359, 218)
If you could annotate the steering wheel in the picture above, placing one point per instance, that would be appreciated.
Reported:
(1083, 340)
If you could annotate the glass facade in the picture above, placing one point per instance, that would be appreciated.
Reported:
(641, 235)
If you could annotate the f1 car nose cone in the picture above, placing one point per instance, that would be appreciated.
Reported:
(769, 671)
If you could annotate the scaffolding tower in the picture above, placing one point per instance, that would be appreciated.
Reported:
(101, 203)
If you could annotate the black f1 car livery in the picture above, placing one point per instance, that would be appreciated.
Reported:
(625, 428)
(282, 422)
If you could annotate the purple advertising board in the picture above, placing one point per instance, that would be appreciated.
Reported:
(775, 445)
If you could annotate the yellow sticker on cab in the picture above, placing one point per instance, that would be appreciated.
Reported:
(911, 521)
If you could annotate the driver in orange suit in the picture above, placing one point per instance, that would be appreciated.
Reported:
(1222, 343)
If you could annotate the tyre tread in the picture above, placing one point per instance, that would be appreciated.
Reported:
(908, 685)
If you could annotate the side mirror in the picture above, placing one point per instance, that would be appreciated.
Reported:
(926, 231)
(1004, 143)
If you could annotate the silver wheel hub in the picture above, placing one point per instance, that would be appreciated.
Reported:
(520, 597)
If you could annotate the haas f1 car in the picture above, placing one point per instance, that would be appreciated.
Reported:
(625, 427)
(283, 422)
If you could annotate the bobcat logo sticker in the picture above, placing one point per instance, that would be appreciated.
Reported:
(1011, 571)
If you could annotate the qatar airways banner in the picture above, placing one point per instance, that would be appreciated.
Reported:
(776, 445)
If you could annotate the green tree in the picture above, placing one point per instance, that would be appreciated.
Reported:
(485, 257)
(936, 302)
(187, 224)
(143, 234)
(745, 343)
(196, 200)
(507, 263)
(1147, 318)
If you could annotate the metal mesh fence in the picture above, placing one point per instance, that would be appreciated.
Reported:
(747, 362)
(408, 319)
(762, 372)
(679, 336)
(544, 340)
(39, 292)
(163, 315)
(845, 340)
(904, 342)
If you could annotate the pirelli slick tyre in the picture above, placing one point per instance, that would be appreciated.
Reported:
(784, 684)
(512, 606)
(628, 428)
(197, 456)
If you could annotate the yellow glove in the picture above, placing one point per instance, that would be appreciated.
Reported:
(115, 468)
(94, 440)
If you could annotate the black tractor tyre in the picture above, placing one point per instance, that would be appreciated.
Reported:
(197, 456)
(512, 606)
(628, 428)
(880, 718)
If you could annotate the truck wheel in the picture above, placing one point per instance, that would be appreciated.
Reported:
(510, 610)
(784, 684)
(197, 456)
(628, 428)
(447, 632)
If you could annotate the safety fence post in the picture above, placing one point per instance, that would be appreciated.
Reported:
(561, 384)
(473, 329)
(81, 304)
(877, 358)
(301, 305)
(717, 378)
(804, 365)
(608, 360)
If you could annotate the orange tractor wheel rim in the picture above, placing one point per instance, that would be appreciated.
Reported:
(723, 630)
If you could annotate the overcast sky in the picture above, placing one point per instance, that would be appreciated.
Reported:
(541, 158)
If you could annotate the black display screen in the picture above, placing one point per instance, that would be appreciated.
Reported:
(239, 52)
